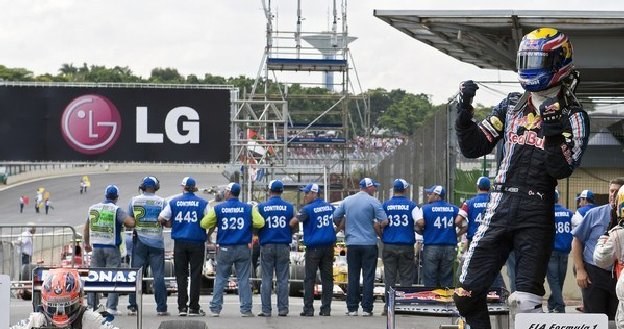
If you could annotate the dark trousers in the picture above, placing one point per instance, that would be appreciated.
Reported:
(599, 296)
(26, 259)
(361, 259)
(321, 258)
(398, 260)
(187, 256)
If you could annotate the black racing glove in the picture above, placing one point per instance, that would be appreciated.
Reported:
(467, 90)
(551, 114)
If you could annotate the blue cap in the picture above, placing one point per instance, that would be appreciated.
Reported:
(150, 182)
(367, 182)
(400, 185)
(587, 194)
(483, 183)
(276, 185)
(310, 188)
(111, 192)
(234, 188)
(437, 189)
(188, 182)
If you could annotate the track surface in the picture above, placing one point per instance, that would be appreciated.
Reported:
(70, 207)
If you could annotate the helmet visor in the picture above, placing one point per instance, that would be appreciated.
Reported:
(60, 312)
(530, 60)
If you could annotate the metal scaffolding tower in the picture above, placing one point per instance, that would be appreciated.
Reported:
(297, 129)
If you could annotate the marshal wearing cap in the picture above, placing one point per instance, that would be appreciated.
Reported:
(437, 189)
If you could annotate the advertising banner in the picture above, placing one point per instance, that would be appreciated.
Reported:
(115, 123)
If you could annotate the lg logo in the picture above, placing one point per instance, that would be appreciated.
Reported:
(91, 124)
(189, 127)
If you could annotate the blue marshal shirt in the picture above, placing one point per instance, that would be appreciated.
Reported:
(593, 225)
(402, 214)
(234, 221)
(563, 229)
(439, 220)
(277, 214)
(318, 226)
(185, 212)
(361, 211)
(474, 210)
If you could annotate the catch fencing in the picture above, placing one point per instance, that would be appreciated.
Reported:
(431, 156)
(52, 245)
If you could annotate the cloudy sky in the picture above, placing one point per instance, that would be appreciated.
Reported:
(227, 38)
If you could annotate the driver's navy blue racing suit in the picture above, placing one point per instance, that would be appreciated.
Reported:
(520, 214)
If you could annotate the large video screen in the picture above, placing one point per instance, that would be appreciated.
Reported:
(121, 123)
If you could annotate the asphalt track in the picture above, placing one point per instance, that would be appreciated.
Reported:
(230, 316)
(70, 207)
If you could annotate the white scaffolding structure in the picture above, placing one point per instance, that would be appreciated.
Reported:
(305, 135)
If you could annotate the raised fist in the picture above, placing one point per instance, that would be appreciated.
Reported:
(467, 90)
(550, 111)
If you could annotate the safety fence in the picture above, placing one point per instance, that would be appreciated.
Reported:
(431, 156)
(23, 247)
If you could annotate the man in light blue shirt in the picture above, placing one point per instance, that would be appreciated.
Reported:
(360, 216)
(597, 284)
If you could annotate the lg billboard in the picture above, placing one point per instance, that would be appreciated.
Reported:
(116, 123)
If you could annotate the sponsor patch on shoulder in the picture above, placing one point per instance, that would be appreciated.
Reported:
(496, 123)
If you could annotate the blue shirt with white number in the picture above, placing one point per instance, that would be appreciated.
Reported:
(318, 227)
(234, 222)
(439, 219)
(400, 229)
(277, 214)
(563, 229)
(187, 210)
(474, 210)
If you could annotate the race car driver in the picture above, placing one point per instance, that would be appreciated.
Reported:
(62, 306)
(544, 134)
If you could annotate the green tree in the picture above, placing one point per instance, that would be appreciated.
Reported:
(241, 82)
(192, 79)
(68, 72)
(214, 80)
(481, 111)
(406, 115)
(15, 74)
(166, 75)
(379, 101)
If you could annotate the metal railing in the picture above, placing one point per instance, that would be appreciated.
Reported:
(52, 245)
